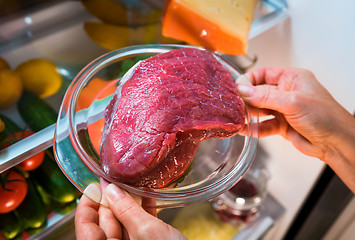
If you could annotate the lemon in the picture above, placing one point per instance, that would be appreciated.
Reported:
(2, 125)
(40, 76)
(10, 87)
(112, 37)
(4, 64)
(116, 12)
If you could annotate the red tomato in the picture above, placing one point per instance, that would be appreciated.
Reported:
(13, 190)
(32, 162)
(2, 237)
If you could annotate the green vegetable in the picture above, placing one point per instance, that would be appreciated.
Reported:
(32, 209)
(10, 225)
(37, 113)
(53, 181)
(128, 63)
(34, 231)
(10, 127)
(125, 66)
(67, 208)
(49, 204)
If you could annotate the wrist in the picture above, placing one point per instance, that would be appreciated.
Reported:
(340, 151)
(342, 141)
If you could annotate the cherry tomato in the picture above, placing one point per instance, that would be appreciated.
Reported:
(32, 162)
(13, 190)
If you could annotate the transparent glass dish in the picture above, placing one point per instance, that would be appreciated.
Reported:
(217, 165)
(241, 204)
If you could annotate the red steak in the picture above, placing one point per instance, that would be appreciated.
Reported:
(156, 119)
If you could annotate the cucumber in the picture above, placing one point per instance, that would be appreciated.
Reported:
(53, 181)
(32, 210)
(10, 225)
(37, 113)
(54, 206)
(34, 231)
(67, 208)
(10, 127)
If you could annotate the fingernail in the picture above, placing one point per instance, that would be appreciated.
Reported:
(93, 192)
(245, 90)
(113, 192)
(103, 201)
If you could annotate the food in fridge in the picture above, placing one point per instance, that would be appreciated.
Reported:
(221, 26)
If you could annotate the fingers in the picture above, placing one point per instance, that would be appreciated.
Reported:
(300, 99)
(125, 208)
(269, 127)
(279, 126)
(269, 97)
(283, 77)
(86, 220)
(271, 124)
(92, 220)
(138, 223)
(259, 113)
(148, 205)
(124, 219)
(109, 223)
(265, 76)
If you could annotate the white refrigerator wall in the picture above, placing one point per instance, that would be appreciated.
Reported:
(319, 36)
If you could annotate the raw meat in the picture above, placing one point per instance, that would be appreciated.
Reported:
(157, 117)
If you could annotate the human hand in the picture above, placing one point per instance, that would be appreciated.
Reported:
(124, 218)
(305, 113)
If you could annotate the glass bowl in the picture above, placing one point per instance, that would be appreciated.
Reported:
(217, 165)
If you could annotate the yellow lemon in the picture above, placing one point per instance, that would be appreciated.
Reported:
(2, 125)
(4, 64)
(116, 12)
(40, 76)
(112, 37)
(10, 88)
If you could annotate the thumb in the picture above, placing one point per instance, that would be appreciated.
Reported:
(126, 209)
(138, 223)
(266, 96)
